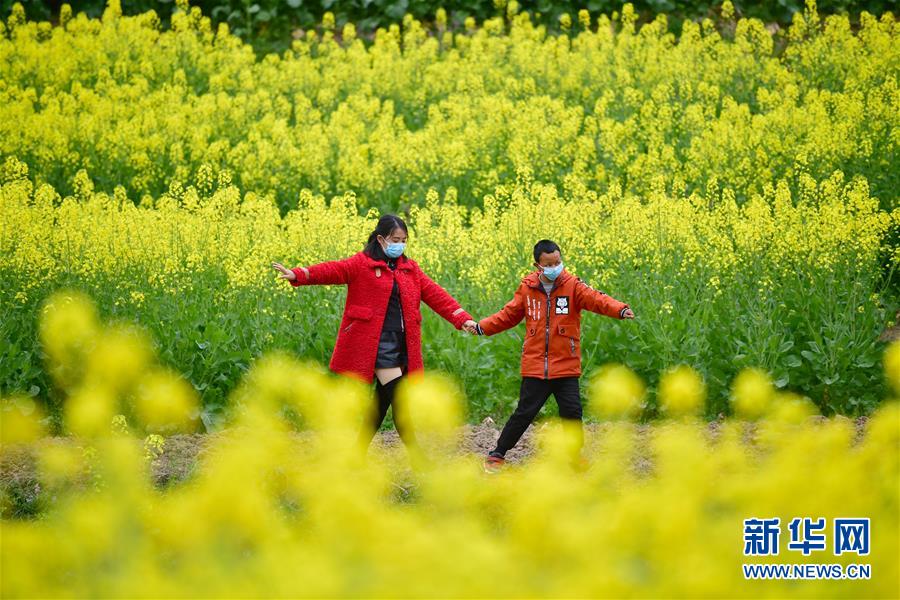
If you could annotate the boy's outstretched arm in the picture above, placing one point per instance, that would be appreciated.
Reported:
(596, 301)
(508, 316)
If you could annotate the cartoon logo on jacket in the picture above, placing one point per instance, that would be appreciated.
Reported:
(562, 305)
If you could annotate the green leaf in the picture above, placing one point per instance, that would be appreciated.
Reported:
(397, 9)
(212, 418)
(864, 362)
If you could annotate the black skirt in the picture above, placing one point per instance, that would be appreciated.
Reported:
(391, 350)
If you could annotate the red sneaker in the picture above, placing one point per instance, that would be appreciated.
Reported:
(581, 464)
(493, 464)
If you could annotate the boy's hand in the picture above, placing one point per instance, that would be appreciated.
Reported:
(627, 314)
(469, 326)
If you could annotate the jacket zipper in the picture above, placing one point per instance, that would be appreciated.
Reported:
(547, 338)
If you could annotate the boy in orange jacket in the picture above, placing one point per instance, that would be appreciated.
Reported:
(550, 300)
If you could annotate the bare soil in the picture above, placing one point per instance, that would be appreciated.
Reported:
(23, 496)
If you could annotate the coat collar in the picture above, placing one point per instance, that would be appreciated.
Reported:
(533, 279)
(403, 263)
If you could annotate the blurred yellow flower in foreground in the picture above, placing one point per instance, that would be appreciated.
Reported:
(273, 511)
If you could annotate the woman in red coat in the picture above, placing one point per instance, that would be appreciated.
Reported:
(380, 336)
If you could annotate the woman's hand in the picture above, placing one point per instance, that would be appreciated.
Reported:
(628, 314)
(469, 326)
(285, 273)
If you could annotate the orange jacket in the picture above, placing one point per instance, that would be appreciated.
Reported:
(552, 346)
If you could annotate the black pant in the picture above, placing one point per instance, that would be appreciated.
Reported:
(532, 395)
(385, 395)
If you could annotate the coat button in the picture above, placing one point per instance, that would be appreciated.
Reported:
(562, 329)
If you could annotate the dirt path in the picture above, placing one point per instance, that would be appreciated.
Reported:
(182, 452)
(182, 455)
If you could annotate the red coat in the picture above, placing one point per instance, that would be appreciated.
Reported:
(369, 283)
(552, 346)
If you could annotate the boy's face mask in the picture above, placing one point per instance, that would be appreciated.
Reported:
(552, 273)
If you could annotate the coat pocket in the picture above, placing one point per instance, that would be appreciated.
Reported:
(573, 333)
(355, 313)
(361, 313)
(569, 330)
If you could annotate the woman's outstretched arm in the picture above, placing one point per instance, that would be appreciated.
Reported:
(334, 272)
(442, 302)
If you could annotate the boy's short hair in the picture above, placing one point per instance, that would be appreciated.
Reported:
(545, 247)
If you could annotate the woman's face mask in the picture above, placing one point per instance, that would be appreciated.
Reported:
(392, 247)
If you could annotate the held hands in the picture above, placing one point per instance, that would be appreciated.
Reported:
(470, 326)
(285, 273)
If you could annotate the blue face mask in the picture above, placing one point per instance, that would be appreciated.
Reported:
(552, 273)
(395, 249)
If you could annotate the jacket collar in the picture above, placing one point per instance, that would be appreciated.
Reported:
(403, 263)
(533, 280)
